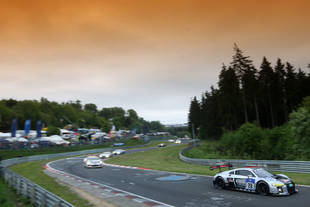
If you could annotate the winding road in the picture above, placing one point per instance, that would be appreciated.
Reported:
(176, 189)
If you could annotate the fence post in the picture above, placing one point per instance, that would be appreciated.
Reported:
(43, 199)
(33, 194)
(25, 191)
(17, 184)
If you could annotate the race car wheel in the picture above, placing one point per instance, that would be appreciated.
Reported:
(219, 183)
(262, 188)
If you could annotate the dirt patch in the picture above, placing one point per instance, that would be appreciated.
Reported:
(97, 202)
(93, 200)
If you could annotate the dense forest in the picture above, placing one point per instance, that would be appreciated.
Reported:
(61, 114)
(244, 94)
(255, 113)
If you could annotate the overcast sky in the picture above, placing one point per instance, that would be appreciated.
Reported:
(149, 55)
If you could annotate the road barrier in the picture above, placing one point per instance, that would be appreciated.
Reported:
(37, 195)
(272, 165)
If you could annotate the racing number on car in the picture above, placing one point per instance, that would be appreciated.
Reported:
(250, 184)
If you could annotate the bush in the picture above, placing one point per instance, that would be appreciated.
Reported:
(51, 130)
(300, 131)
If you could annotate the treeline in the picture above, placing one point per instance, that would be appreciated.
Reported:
(244, 94)
(290, 141)
(61, 114)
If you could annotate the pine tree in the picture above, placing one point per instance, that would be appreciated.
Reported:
(266, 75)
(280, 96)
(246, 73)
(194, 117)
(229, 93)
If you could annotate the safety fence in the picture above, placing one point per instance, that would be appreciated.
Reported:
(37, 195)
(272, 165)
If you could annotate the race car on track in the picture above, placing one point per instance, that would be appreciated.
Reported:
(118, 151)
(256, 180)
(88, 157)
(105, 155)
(162, 145)
(93, 162)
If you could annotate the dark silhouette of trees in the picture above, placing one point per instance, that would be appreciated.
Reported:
(264, 96)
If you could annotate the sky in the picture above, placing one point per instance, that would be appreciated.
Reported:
(152, 56)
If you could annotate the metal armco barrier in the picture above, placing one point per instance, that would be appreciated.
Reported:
(37, 195)
(272, 165)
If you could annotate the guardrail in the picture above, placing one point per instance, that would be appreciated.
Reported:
(272, 165)
(38, 195)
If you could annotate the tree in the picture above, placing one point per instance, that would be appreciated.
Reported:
(299, 125)
(229, 93)
(106, 126)
(90, 108)
(266, 82)
(194, 117)
(246, 72)
(52, 130)
(280, 95)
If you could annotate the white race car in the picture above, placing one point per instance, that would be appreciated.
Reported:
(178, 141)
(118, 151)
(105, 155)
(88, 157)
(93, 162)
(255, 180)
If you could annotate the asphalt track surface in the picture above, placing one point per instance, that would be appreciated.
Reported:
(193, 191)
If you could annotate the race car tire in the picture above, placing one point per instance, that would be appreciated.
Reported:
(262, 188)
(219, 183)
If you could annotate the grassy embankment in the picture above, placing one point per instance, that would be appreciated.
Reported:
(166, 159)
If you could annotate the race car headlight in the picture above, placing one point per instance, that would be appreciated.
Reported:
(280, 190)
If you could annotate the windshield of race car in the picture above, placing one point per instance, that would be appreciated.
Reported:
(93, 159)
(262, 173)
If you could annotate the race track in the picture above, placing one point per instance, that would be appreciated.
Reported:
(191, 191)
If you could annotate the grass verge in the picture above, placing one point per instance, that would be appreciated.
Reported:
(167, 159)
(9, 198)
(34, 172)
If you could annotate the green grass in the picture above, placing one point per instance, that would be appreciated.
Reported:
(9, 198)
(34, 172)
(167, 159)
